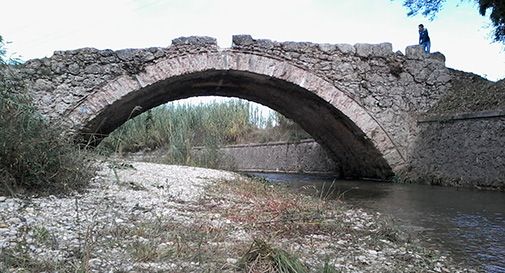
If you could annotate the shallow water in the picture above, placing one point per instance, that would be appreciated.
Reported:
(468, 223)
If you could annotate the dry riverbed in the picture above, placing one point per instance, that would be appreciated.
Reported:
(144, 217)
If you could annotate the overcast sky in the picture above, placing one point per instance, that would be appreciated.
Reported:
(36, 28)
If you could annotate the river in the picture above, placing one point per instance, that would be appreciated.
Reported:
(470, 224)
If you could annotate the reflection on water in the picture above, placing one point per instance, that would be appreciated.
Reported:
(469, 223)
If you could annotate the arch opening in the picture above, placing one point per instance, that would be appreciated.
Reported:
(345, 142)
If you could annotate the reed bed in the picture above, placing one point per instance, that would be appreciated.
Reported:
(178, 127)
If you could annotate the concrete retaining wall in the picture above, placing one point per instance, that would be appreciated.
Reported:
(464, 149)
(300, 157)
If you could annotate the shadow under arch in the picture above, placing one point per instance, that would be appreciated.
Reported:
(346, 143)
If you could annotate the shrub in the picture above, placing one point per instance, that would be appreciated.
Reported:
(34, 156)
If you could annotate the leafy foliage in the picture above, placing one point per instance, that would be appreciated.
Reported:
(430, 8)
(497, 16)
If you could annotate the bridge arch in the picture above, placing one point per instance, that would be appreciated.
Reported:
(354, 139)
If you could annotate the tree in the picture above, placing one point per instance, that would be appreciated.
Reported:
(2, 50)
(430, 8)
(4, 59)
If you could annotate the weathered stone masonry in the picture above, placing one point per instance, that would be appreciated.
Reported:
(359, 101)
(466, 149)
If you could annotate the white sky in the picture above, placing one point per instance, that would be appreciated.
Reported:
(36, 28)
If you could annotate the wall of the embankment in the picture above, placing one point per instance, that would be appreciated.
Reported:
(304, 156)
(464, 149)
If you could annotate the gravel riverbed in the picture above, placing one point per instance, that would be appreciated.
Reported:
(145, 217)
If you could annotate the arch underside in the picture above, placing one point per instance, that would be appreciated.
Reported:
(347, 144)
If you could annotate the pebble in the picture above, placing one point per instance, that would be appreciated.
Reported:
(94, 263)
(13, 220)
(231, 260)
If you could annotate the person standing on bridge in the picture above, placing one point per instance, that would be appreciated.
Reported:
(424, 38)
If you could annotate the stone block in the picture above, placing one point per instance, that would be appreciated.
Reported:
(74, 68)
(297, 46)
(382, 50)
(106, 52)
(265, 43)
(364, 50)
(42, 85)
(194, 40)
(126, 54)
(346, 48)
(290, 46)
(93, 69)
(147, 56)
(87, 50)
(414, 52)
(243, 39)
(328, 48)
(59, 53)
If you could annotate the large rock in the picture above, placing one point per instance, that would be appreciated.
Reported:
(364, 50)
(346, 48)
(382, 50)
(242, 40)
(438, 56)
(415, 52)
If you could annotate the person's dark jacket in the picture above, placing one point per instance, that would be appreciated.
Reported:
(423, 36)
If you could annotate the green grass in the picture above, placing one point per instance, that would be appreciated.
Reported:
(262, 257)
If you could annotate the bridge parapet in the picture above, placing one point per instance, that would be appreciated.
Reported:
(363, 69)
(360, 70)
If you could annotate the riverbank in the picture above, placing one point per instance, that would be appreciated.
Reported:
(144, 217)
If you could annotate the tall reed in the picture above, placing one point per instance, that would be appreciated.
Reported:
(178, 127)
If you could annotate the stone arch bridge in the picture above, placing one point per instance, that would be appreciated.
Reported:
(358, 101)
